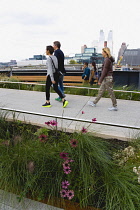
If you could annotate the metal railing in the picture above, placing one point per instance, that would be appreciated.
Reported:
(69, 118)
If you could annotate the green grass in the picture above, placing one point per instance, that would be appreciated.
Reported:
(75, 91)
(30, 166)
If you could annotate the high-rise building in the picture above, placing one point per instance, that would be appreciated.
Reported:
(110, 41)
(94, 44)
(121, 50)
(101, 41)
(83, 48)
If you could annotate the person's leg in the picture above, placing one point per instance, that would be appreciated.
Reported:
(60, 87)
(100, 92)
(60, 83)
(55, 86)
(109, 87)
(48, 85)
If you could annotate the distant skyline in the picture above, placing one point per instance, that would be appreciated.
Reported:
(26, 27)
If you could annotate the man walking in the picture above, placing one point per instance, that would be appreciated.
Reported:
(60, 57)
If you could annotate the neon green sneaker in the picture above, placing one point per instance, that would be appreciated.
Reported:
(65, 103)
(58, 99)
(46, 105)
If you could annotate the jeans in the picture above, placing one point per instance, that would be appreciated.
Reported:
(107, 84)
(60, 84)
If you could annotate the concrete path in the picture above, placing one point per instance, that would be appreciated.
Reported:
(128, 112)
(8, 201)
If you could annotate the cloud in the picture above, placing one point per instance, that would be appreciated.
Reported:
(27, 26)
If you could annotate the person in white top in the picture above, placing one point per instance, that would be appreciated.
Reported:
(52, 77)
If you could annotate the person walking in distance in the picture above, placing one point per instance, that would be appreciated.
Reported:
(52, 77)
(60, 56)
(106, 80)
(86, 73)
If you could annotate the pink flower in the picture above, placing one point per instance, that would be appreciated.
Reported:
(74, 143)
(53, 123)
(71, 161)
(66, 164)
(43, 138)
(65, 184)
(67, 170)
(63, 193)
(48, 123)
(70, 194)
(64, 155)
(94, 120)
(84, 130)
(83, 112)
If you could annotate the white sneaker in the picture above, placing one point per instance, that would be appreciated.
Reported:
(90, 103)
(113, 108)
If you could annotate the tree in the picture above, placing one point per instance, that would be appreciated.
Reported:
(72, 62)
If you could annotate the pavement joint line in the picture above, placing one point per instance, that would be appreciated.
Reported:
(69, 118)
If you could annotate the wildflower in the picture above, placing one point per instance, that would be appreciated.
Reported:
(74, 142)
(53, 123)
(70, 194)
(64, 155)
(66, 164)
(83, 112)
(6, 143)
(48, 123)
(71, 160)
(94, 120)
(43, 138)
(135, 170)
(63, 193)
(84, 130)
(65, 184)
(67, 170)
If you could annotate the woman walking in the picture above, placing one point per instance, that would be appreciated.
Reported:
(93, 76)
(52, 77)
(106, 80)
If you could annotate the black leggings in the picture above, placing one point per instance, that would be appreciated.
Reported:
(55, 87)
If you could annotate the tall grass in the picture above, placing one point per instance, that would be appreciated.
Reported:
(34, 167)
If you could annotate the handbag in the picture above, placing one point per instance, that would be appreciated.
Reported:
(59, 73)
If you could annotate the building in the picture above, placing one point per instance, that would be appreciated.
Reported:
(122, 50)
(131, 57)
(83, 48)
(89, 55)
(110, 41)
(38, 57)
(101, 41)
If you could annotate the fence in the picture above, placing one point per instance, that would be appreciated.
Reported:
(68, 118)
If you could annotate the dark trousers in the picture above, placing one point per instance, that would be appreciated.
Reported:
(55, 87)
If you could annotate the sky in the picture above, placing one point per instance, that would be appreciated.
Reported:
(27, 26)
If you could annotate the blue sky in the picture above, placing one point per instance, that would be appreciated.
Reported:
(27, 26)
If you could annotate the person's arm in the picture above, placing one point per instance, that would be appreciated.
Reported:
(50, 69)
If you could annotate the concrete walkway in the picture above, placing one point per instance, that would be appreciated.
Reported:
(128, 112)
(8, 201)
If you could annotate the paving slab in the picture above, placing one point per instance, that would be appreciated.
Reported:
(8, 201)
(128, 112)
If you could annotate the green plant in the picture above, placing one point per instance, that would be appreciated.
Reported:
(33, 166)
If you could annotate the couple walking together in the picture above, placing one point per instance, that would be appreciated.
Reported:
(55, 71)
